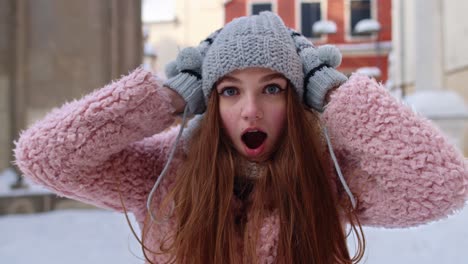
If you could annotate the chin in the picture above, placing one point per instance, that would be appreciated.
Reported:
(256, 159)
(259, 158)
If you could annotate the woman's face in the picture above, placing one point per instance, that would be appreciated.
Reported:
(252, 105)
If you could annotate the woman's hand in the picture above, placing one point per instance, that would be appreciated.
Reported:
(329, 93)
(186, 81)
(176, 100)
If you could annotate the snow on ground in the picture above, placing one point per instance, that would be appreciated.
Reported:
(96, 236)
(72, 237)
(444, 241)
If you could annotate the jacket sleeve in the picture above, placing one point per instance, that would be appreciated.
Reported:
(401, 168)
(105, 143)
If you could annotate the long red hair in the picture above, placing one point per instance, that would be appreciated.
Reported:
(298, 186)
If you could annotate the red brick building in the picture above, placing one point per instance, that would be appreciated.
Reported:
(367, 49)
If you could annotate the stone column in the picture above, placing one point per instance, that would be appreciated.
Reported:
(428, 45)
(6, 18)
(431, 98)
(56, 51)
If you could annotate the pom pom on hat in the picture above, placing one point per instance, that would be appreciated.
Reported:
(330, 55)
(310, 59)
(189, 59)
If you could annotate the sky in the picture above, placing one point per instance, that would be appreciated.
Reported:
(157, 10)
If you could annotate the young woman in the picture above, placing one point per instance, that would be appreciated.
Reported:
(257, 178)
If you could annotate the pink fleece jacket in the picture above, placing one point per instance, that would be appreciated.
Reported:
(401, 168)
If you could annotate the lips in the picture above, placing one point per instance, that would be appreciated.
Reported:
(253, 138)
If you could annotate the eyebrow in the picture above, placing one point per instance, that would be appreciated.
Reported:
(266, 78)
(272, 76)
(229, 78)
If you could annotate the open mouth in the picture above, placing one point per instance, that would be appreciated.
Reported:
(254, 139)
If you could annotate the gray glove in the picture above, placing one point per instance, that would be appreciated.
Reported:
(185, 78)
(318, 67)
(321, 75)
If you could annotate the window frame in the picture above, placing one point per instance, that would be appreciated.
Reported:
(250, 4)
(323, 13)
(348, 30)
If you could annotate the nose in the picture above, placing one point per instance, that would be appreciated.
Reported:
(251, 109)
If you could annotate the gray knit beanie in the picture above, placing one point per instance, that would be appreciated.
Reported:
(255, 41)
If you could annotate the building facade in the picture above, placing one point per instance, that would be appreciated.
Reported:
(443, 36)
(431, 61)
(175, 24)
(361, 49)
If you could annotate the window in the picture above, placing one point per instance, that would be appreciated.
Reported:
(360, 9)
(311, 12)
(259, 7)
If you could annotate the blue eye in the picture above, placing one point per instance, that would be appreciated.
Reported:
(273, 89)
(229, 91)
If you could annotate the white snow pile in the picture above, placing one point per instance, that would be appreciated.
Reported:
(369, 71)
(324, 27)
(438, 103)
(367, 26)
(153, 11)
(72, 237)
(149, 50)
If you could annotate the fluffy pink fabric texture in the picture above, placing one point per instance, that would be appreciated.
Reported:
(400, 167)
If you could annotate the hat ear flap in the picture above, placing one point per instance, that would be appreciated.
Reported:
(172, 68)
(311, 56)
(319, 74)
(187, 82)
(300, 41)
(206, 43)
(185, 74)
(189, 131)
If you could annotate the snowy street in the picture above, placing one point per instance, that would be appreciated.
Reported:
(72, 237)
(95, 236)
